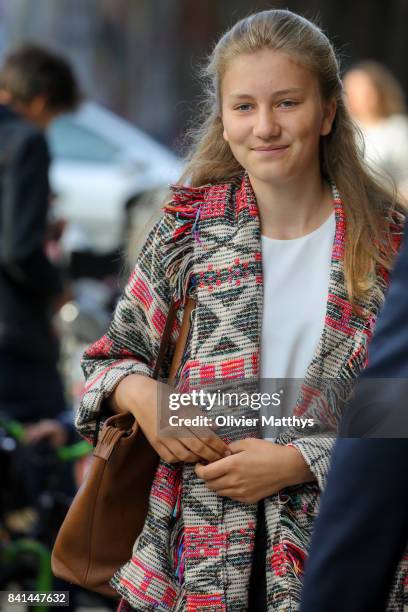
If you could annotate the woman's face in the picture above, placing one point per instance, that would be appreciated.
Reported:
(273, 116)
(361, 95)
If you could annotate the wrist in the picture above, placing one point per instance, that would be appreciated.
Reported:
(133, 391)
(298, 471)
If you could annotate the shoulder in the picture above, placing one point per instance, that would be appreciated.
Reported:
(184, 206)
(180, 227)
(34, 140)
(19, 129)
(26, 143)
(189, 204)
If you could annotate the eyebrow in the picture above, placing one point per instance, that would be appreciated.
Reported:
(280, 92)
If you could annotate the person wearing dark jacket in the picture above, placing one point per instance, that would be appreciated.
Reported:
(361, 532)
(35, 86)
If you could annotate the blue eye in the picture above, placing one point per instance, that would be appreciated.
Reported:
(244, 107)
(288, 103)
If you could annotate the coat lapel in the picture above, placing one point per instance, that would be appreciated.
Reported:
(228, 274)
(342, 348)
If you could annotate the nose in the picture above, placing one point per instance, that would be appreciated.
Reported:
(266, 125)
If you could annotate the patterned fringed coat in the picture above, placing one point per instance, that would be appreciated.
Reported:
(195, 550)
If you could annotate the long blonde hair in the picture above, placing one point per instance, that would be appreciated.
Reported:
(367, 201)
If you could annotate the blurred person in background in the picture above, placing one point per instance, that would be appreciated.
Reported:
(284, 239)
(376, 101)
(36, 85)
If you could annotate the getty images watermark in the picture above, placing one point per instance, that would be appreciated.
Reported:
(214, 401)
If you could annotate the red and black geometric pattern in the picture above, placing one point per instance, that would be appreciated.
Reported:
(207, 244)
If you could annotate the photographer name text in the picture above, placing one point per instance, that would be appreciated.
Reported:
(233, 421)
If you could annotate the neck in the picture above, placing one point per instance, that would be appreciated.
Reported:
(293, 209)
(41, 119)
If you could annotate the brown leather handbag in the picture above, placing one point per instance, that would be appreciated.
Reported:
(109, 510)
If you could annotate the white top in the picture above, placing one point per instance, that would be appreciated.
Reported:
(386, 146)
(296, 282)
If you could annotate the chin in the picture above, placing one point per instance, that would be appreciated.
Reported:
(267, 175)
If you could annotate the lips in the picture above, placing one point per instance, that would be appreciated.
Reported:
(271, 148)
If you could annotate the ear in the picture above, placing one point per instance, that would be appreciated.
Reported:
(329, 113)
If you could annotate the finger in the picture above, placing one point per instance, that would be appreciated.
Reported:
(165, 453)
(217, 444)
(236, 446)
(209, 447)
(201, 449)
(181, 451)
(215, 449)
(214, 470)
(219, 484)
(188, 455)
(186, 445)
(211, 440)
(201, 431)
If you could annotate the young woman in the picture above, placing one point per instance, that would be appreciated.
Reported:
(284, 241)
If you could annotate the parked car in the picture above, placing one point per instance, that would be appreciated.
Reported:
(102, 167)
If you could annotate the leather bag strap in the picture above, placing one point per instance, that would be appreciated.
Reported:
(164, 344)
(182, 339)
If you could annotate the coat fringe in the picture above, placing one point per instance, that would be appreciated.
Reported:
(185, 206)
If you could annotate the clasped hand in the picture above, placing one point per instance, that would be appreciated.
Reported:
(247, 470)
(256, 469)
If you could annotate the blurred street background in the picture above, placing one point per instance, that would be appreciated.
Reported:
(138, 57)
(137, 64)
